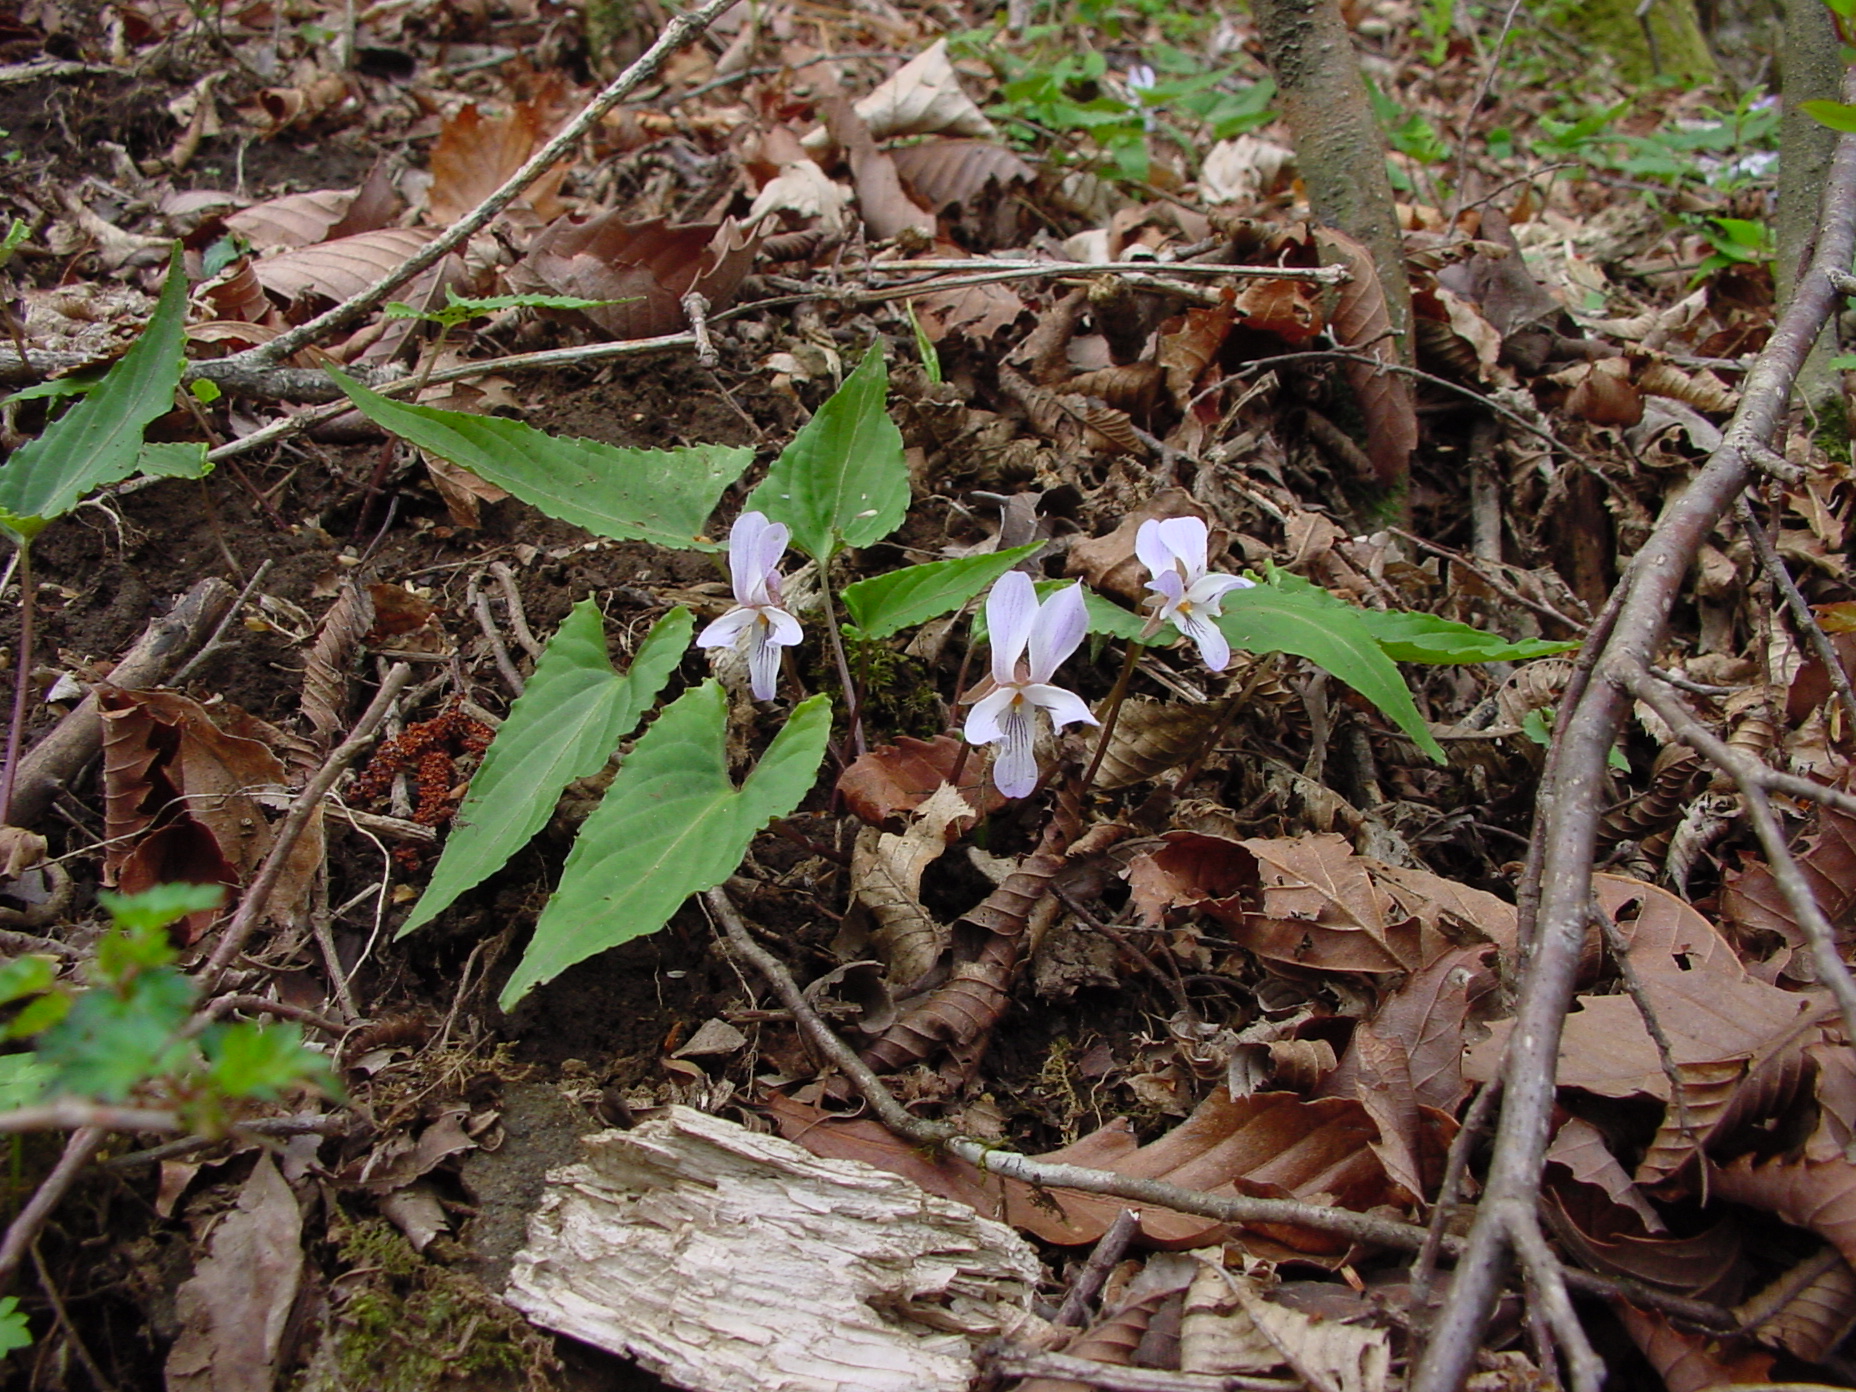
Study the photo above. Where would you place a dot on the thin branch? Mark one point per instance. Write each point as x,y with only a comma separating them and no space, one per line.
258,894
1802,618
679,31
1572,802
24,1230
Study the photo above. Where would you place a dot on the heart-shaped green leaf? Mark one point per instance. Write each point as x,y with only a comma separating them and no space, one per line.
564,726
672,824
843,480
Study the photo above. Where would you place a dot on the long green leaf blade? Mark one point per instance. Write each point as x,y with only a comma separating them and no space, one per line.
564,726
886,604
99,440
843,480
661,496
1414,637
672,824
1331,634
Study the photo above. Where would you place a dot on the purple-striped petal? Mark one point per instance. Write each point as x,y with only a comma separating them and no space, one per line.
1063,706
763,658
1213,647
983,720
1015,764
725,630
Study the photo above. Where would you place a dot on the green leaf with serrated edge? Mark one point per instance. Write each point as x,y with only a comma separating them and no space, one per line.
886,604
254,1060
1329,633
1839,116
159,905
661,496
98,441
843,479
14,1331
564,726
672,824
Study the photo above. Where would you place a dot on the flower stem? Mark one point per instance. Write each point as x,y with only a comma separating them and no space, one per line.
22,680
1112,712
853,702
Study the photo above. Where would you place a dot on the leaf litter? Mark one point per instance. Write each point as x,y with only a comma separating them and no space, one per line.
1308,926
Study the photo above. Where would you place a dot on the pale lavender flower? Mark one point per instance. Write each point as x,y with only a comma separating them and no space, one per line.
757,624
1015,620
1173,550
1141,81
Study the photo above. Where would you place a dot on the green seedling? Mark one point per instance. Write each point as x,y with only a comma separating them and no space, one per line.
96,442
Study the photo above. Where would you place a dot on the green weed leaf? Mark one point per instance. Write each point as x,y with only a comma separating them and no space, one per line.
1839,116
886,604
99,440
564,726
27,976
661,496
1410,637
13,1331
843,480
23,1080
672,824
113,1040
253,1060
1330,633
159,905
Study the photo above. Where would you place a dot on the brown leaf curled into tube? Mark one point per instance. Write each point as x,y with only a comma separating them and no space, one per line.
886,877
1362,322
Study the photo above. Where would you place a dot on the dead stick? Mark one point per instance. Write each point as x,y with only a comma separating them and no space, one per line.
679,31
78,1150
1570,824
56,759
257,895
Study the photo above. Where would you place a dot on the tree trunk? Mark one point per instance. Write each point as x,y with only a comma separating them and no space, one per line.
1338,143
1810,70
1666,42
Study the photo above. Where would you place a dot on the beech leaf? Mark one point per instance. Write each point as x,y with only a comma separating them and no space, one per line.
662,496
564,726
672,824
843,480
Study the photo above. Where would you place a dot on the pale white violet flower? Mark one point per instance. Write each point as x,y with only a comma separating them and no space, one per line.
757,624
1141,81
1016,621
1173,550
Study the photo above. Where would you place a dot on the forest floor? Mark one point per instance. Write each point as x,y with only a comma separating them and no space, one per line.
1280,943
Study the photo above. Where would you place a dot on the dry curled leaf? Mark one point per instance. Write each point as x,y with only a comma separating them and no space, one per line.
892,780
476,154
886,878
1362,322
945,172
649,266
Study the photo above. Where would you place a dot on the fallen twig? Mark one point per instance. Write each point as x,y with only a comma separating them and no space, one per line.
1571,803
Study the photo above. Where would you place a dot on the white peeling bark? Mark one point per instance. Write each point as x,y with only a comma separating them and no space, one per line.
728,1261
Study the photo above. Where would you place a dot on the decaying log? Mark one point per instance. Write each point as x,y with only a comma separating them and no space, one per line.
728,1261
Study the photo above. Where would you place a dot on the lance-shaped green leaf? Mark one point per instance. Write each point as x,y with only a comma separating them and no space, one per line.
886,604
1330,633
662,496
564,726
672,824
98,441
1413,637
843,480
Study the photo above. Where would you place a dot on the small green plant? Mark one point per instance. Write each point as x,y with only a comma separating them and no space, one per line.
96,442
674,821
1735,242
129,1030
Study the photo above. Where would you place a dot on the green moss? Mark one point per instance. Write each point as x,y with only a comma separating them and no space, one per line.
899,692
400,1323
1611,27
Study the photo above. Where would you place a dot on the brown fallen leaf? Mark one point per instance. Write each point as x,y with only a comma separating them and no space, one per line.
476,154
1688,1361
234,1310
1361,321
1108,563
945,172
887,211
647,267
1806,1311
1271,1145
880,788
886,878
